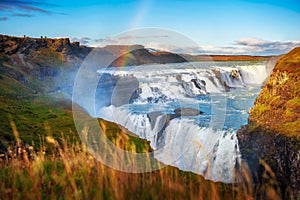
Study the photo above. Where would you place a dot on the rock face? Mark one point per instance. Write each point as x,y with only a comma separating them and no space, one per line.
25,46
35,62
270,143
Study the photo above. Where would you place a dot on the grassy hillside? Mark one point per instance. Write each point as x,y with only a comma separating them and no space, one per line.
39,116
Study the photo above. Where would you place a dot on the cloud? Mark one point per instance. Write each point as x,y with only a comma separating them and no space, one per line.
16,3
126,40
3,18
266,46
251,42
107,40
130,37
83,40
243,46
21,8
31,8
22,15
4,7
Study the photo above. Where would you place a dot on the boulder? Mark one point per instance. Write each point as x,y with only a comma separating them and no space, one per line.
187,112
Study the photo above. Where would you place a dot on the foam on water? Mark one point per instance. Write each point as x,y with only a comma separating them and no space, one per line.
187,142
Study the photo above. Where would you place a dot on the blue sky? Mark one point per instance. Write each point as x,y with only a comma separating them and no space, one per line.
218,26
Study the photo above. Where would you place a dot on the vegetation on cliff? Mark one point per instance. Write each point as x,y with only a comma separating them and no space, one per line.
270,143
278,105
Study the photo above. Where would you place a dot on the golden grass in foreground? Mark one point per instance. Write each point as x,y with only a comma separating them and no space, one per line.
70,172
74,174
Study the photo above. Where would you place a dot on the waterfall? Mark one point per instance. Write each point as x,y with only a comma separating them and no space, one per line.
181,84
253,75
181,141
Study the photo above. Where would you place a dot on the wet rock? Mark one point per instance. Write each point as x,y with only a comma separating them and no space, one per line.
234,74
187,112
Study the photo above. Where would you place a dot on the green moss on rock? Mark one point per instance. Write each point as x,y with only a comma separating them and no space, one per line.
278,106
271,140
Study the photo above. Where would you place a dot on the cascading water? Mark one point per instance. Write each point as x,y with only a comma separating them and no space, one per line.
163,103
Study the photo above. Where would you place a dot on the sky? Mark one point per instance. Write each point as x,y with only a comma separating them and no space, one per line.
252,27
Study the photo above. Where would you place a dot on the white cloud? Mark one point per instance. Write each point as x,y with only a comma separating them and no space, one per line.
251,42
246,46
257,45
242,46
126,40
83,40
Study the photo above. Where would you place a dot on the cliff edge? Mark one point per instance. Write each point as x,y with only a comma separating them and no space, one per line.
270,143
278,105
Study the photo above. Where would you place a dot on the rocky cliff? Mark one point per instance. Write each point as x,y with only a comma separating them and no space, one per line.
25,47
270,143
38,63
33,63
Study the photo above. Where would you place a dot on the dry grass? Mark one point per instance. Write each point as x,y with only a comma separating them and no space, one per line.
68,171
